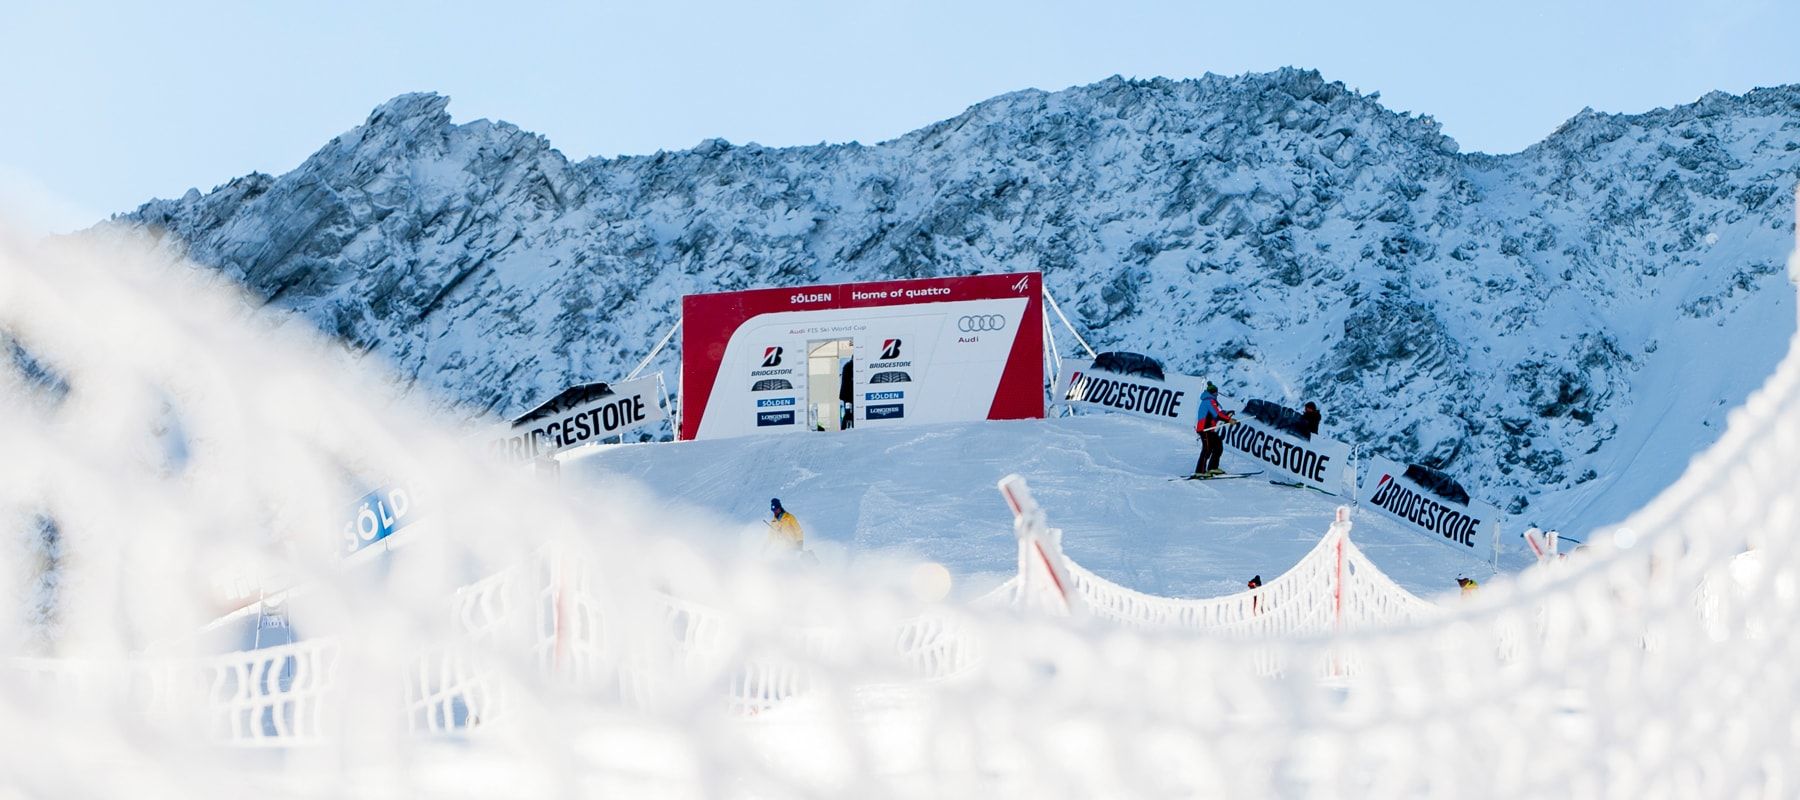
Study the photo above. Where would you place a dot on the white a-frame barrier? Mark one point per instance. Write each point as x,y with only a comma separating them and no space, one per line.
1052,356
662,385
1334,587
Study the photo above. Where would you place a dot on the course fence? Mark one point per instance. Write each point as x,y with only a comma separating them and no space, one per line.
551,610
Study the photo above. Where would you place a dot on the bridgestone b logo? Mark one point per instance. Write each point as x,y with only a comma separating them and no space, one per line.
1280,452
1425,512
1152,400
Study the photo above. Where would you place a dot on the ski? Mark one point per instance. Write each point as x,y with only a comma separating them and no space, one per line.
1299,485
1216,477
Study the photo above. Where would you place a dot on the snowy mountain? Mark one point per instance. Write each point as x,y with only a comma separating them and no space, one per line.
1562,327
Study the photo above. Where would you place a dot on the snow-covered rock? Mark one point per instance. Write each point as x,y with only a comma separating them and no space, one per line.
1561,328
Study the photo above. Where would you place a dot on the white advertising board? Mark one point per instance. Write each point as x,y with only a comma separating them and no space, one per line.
1473,527
1318,462
1175,398
550,430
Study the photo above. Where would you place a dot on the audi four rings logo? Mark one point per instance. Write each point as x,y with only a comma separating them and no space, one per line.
981,322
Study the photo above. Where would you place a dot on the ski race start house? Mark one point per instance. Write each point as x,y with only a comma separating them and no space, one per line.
828,358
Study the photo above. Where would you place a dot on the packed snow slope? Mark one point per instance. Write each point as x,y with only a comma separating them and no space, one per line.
928,493
1562,328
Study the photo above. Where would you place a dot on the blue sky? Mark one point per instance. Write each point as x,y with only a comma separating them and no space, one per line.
107,105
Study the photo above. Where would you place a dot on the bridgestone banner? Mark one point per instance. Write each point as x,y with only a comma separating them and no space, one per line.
630,405
1176,398
1317,462
1473,528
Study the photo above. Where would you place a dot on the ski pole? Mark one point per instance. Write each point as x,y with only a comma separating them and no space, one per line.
1222,423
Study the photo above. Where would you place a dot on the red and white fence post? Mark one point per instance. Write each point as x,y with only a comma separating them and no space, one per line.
1043,572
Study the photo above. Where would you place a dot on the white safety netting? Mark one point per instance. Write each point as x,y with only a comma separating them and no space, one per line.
1333,588
158,434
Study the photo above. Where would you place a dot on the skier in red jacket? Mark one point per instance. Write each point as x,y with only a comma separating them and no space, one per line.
1212,445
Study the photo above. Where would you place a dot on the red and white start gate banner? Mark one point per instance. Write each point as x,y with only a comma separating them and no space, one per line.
828,358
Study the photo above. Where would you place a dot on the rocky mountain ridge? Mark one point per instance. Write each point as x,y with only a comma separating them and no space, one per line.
1515,319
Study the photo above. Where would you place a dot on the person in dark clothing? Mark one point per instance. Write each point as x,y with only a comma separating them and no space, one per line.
1312,416
1212,445
847,396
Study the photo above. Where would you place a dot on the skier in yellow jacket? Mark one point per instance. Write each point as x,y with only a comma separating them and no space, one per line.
785,535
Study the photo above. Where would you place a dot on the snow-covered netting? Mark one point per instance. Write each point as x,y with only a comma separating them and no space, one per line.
549,608
159,434
1334,587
